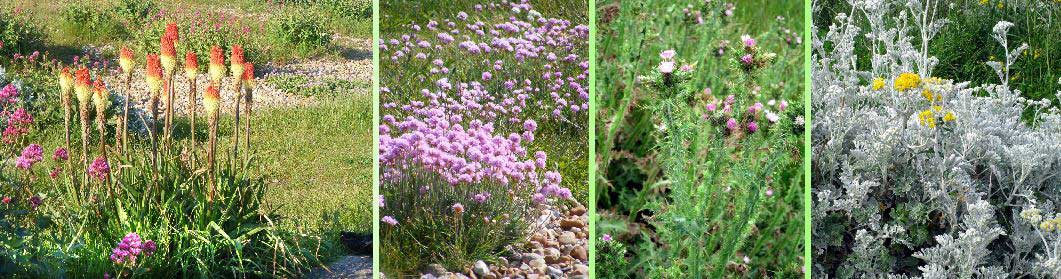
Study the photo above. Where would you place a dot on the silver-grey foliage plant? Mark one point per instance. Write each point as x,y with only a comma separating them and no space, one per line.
933,179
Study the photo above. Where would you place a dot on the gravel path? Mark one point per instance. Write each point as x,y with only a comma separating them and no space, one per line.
345,267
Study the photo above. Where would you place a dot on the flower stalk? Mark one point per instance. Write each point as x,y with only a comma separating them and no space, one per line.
248,99
154,83
237,81
83,92
66,86
127,63
211,100
191,70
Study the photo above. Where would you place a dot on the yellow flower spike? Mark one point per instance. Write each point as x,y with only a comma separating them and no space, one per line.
878,83
937,108
66,82
907,81
948,117
100,97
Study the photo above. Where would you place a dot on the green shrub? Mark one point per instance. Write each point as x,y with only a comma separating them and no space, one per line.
18,34
303,32
86,23
135,11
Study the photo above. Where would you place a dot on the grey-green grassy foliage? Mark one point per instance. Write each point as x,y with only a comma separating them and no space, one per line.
681,194
904,193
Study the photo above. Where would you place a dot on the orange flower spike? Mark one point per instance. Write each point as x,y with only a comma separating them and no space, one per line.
217,64
211,99
165,91
82,85
154,74
66,83
191,65
172,32
101,98
237,61
126,60
169,56
248,74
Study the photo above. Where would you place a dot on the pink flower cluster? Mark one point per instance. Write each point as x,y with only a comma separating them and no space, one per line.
554,47
18,124
432,140
30,156
9,94
474,104
99,168
132,247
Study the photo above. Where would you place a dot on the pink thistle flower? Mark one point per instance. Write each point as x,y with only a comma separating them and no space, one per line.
748,41
606,237
390,220
731,124
752,127
666,67
746,59
667,54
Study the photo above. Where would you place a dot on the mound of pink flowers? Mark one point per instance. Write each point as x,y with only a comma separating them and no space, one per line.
472,107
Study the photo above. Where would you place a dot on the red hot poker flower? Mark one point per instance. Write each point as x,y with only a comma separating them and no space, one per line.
191,65
172,33
237,54
248,71
217,64
154,74
217,56
126,60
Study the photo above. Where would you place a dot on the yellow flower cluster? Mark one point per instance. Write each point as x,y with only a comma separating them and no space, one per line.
907,81
1051,225
878,83
931,97
927,117
1033,215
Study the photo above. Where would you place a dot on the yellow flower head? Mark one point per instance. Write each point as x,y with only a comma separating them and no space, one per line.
907,81
927,118
927,94
878,83
948,117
